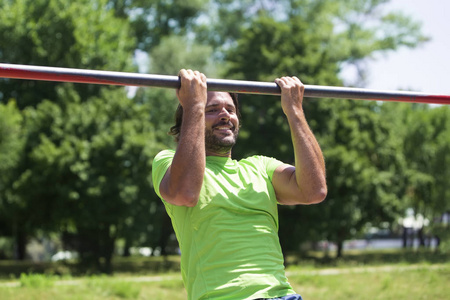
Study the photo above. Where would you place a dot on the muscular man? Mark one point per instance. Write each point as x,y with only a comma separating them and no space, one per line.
224,211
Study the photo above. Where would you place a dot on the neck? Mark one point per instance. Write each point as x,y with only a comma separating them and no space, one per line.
212,153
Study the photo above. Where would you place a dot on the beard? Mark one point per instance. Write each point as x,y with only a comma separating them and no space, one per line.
220,144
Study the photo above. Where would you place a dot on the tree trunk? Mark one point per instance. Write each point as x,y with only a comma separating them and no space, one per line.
126,249
106,250
95,247
421,237
340,247
405,238
21,245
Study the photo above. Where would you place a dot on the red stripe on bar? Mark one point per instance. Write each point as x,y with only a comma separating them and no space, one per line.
429,99
437,99
46,76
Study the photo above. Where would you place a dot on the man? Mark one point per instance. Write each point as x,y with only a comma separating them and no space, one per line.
224,211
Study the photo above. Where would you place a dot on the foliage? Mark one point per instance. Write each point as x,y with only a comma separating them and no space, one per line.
76,159
364,160
427,143
11,149
74,34
151,20
10,136
87,150
87,171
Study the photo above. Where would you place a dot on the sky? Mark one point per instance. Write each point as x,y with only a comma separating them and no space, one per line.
423,69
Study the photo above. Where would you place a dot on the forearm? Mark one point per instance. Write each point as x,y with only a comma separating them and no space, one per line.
309,162
305,183
186,173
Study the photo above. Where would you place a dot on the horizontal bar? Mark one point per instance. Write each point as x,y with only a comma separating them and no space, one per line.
236,86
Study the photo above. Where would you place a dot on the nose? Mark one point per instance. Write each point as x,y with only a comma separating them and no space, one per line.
224,114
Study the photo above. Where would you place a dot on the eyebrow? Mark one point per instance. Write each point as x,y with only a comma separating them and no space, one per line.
215,105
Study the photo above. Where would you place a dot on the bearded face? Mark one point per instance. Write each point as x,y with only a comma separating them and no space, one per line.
221,137
222,124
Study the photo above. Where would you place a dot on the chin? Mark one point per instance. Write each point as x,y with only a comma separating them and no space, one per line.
216,141
228,141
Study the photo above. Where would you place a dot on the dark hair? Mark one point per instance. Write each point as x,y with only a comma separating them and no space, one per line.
175,129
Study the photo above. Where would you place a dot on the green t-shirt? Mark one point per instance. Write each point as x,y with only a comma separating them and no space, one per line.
229,240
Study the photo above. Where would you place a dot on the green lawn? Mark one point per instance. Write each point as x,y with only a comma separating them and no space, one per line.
423,282
358,276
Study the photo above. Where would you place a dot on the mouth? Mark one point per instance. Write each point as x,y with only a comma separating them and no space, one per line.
224,128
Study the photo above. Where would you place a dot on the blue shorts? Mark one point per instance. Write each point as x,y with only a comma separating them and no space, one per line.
288,297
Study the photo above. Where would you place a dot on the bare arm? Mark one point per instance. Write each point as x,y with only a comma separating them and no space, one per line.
305,183
183,180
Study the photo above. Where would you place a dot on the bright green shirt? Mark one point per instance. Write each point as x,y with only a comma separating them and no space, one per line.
229,240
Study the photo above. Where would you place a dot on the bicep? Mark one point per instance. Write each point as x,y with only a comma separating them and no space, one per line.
164,186
285,185
173,194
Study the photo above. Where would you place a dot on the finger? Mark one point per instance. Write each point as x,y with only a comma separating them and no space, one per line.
203,77
200,76
296,79
198,73
186,74
281,81
290,79
181,76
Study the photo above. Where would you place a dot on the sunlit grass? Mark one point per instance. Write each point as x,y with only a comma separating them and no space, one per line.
421,283
416,282
399,275
37,286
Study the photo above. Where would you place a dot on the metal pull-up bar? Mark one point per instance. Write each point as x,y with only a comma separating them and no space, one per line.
237,86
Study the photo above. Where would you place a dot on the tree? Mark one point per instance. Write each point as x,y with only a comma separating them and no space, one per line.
11,141
58,33
313,41
87,148
152,20
426,145
87,172
11,149
51,168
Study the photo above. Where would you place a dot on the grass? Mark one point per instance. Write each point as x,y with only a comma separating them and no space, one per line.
40,287
421,283
131,265
378,275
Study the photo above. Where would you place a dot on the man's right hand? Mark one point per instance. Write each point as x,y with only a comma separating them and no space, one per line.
193,89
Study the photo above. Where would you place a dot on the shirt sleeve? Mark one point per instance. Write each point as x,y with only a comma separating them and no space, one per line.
160,165
271,165
267,164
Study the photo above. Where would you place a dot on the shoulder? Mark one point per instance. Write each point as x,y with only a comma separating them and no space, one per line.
163,159
260,160
164,154
160,165
262,163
